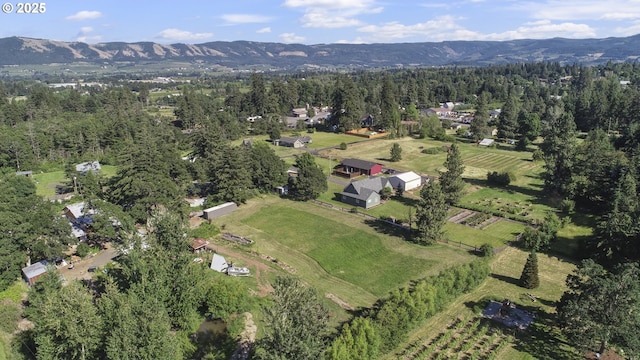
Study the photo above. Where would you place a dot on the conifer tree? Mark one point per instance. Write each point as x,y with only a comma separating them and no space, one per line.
431,214
529,278
451,180
396,152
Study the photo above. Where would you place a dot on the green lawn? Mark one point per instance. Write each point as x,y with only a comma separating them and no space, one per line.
496,234
46,182
341,250
337,252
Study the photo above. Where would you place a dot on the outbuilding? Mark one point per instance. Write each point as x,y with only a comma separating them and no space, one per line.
406,180
32,272
219,210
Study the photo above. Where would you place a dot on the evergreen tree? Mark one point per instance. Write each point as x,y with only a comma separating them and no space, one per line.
231,180
267,170
347,108
389,112
529,278
559,149
258,94
508,119
480,125
431,214
395,152
297,323
451,180
310,181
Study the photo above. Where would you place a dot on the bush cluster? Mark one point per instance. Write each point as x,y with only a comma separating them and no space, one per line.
500,178
406,308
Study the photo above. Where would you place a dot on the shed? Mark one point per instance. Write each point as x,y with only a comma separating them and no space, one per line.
486,142
219,210
219,263
32,272
407,180
198,245
93,166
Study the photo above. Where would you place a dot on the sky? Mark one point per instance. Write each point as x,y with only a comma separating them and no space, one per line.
320,21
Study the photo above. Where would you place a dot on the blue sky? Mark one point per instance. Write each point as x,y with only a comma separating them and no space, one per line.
323,21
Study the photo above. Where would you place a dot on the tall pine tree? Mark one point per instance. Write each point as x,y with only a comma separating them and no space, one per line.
431,214
451,180
529,278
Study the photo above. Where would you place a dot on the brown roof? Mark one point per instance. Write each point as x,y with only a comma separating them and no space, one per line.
199,243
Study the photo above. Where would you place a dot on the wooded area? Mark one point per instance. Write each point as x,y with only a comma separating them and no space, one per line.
583,122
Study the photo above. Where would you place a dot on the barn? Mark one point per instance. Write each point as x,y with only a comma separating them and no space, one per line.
407,180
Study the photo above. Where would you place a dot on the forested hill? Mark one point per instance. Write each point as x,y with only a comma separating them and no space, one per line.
238,54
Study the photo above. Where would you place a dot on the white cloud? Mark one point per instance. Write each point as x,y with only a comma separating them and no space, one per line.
182,35
446,28
233,19
86,29
633,29
289,38
333,13
264,30
89,39
84,15
329,4
582,9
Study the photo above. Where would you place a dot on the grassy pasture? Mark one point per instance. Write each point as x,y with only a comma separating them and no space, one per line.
46,182
542,339
337,252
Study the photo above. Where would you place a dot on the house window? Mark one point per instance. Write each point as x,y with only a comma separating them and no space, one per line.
357,202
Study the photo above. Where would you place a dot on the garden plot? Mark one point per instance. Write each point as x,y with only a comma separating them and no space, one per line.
472,338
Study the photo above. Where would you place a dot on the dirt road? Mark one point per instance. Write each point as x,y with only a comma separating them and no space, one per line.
80,269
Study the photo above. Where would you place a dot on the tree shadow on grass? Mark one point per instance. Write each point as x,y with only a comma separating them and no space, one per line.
388,229
406,201
507,279
543,339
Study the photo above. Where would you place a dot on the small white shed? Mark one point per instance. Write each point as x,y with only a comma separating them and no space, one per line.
219,263
407,180
219,210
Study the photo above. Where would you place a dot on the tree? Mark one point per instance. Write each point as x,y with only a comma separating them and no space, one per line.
386,193
431,214
347,107
267,170
508,119
357,341
67,324
618,232
297,323
273,129
451,180
529,278
602,306
258,94
310,181
231,179
389,112
396,152
399,190
479,126
559,148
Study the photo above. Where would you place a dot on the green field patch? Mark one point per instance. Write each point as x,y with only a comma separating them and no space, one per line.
507,202
46,182
497,234
345,252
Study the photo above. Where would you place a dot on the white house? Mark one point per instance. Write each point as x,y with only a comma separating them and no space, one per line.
407,180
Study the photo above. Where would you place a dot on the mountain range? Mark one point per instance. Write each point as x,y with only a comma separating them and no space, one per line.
242,54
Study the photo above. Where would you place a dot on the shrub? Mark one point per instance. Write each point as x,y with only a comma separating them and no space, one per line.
486,250
567,206
537,155
343,146
83,249
499,179
433,150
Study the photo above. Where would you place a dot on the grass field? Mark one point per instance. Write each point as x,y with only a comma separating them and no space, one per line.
46,182
337,252
542,340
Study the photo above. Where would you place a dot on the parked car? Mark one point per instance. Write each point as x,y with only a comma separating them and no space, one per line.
92,268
